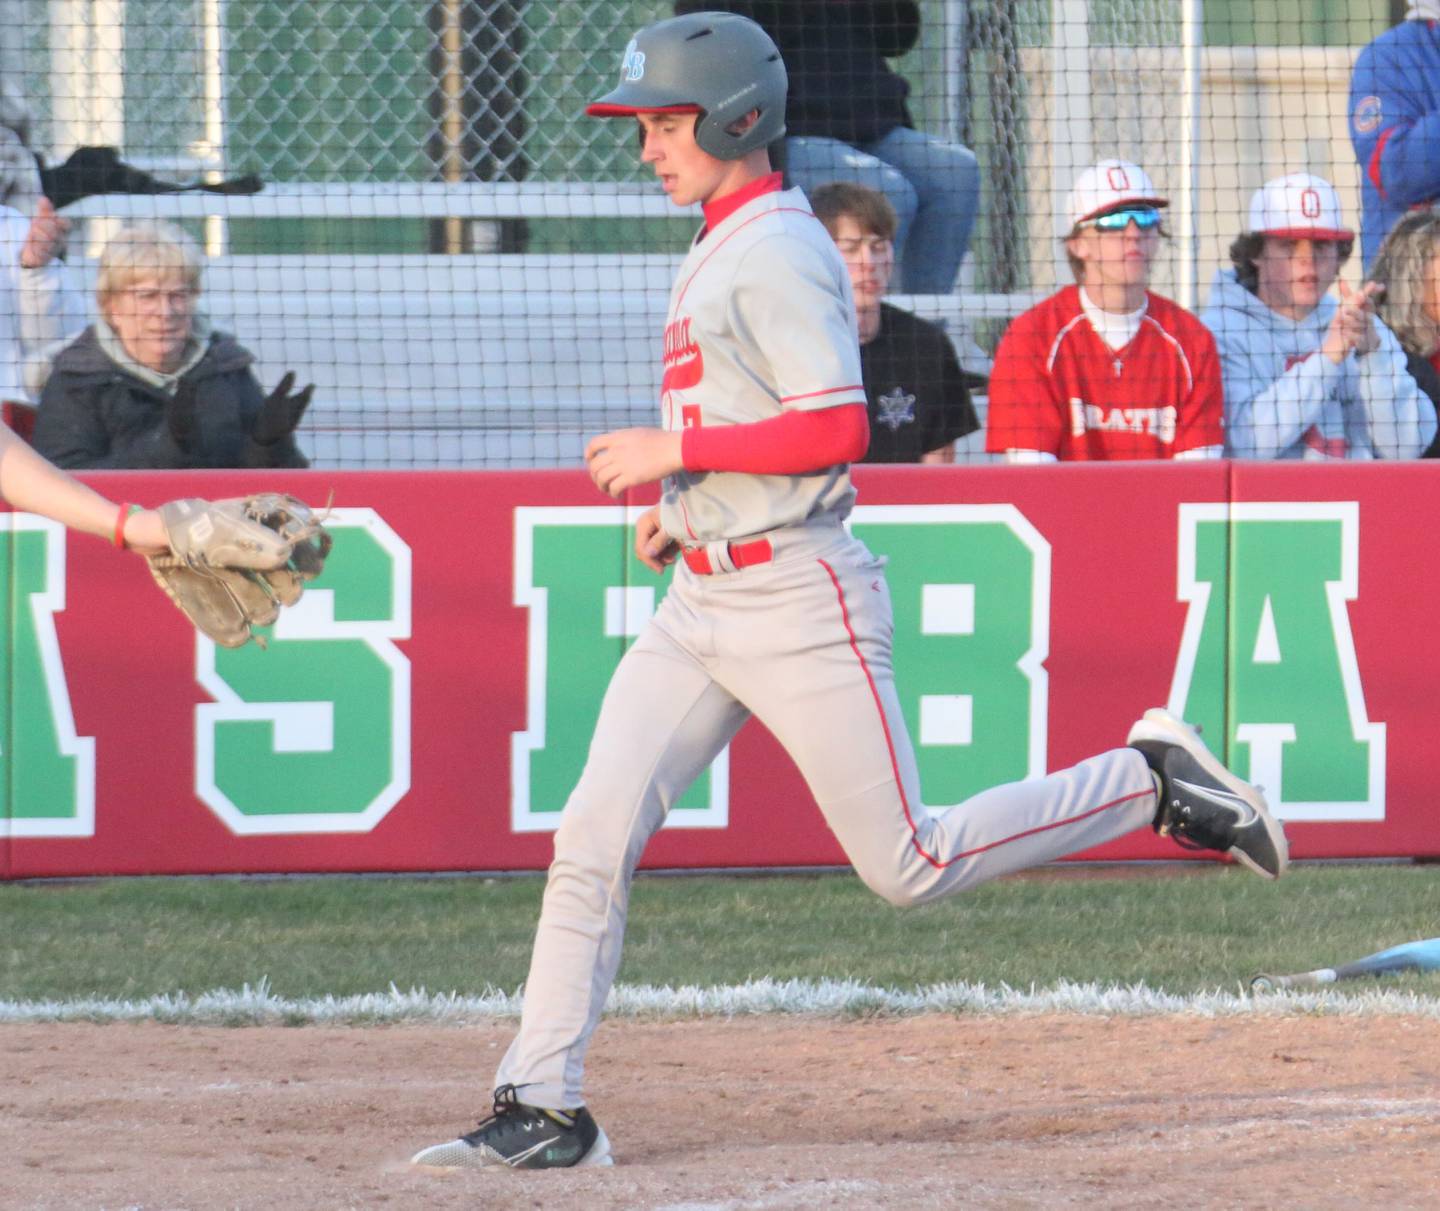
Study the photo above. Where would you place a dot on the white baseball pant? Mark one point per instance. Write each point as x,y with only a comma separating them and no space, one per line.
803,643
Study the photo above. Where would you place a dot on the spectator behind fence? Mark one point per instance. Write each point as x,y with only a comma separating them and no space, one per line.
1407,268
20,187
1395,122
40,303
914,388
1307,376
1105,369
148,385
40,306
847,118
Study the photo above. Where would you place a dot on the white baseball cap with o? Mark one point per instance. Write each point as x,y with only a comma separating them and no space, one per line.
1300,206
1109,185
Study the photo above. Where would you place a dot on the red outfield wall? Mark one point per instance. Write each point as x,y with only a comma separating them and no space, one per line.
426,705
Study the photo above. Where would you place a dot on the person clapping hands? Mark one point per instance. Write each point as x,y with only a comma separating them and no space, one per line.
149,385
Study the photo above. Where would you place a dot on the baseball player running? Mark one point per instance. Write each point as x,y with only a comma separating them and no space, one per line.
775,610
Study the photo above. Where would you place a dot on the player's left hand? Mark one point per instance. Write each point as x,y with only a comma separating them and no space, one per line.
628,458
653,547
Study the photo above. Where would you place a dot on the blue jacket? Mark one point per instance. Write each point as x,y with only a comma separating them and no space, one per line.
1286,399
1395,126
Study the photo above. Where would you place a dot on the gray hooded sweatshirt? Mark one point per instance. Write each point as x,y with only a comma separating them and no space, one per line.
1286,399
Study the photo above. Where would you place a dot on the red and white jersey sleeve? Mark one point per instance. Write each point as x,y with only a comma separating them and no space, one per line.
1026,411
1058,388
760,322
1201,420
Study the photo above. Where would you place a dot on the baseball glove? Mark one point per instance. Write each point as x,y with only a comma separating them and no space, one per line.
234,563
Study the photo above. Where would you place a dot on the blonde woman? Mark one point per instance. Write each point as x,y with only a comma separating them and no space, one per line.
1408,267
149,385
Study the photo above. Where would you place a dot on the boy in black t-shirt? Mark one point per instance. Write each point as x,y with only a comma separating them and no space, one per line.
916,392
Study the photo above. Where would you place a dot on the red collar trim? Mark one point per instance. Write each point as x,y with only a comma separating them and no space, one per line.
720,209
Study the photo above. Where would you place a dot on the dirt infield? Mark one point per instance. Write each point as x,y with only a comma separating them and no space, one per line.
769,1113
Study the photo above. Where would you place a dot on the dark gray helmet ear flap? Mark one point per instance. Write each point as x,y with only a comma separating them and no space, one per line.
722,64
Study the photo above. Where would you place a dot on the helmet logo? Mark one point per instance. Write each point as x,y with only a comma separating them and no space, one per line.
633,66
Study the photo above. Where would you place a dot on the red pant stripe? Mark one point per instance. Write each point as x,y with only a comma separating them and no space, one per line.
899,782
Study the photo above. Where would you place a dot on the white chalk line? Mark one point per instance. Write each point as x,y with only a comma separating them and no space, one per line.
258,1004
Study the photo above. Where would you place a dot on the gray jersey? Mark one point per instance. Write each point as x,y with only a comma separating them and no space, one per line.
761,321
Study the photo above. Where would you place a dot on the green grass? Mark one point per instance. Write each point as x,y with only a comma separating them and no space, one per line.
1199,930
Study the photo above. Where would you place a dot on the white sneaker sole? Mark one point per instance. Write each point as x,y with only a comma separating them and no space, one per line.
459,1155
1159,724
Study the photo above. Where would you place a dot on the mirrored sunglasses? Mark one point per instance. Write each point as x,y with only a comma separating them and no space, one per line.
1146,218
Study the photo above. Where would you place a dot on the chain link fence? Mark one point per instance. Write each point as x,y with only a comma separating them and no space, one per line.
501,329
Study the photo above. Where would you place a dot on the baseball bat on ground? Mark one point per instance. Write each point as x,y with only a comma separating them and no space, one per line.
1411,956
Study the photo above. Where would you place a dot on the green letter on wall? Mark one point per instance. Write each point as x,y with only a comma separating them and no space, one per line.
48,771
970,587
1267,662
313,734
588,597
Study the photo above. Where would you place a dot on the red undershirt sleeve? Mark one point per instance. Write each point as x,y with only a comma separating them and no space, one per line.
792,443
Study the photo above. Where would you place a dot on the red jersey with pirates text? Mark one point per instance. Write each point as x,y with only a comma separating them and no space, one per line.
1057,387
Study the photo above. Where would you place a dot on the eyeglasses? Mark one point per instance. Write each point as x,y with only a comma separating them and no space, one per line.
149,299
1146,218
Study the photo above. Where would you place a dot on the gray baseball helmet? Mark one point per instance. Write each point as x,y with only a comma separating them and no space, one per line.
717,64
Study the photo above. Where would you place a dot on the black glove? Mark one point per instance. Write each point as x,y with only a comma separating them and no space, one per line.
280,412
180,415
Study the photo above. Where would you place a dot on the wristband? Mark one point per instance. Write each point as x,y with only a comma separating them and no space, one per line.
127,511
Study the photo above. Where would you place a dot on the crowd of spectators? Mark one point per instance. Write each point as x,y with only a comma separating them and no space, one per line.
1275,366
144,382
1286,359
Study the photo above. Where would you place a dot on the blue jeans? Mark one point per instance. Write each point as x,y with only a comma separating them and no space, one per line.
933,185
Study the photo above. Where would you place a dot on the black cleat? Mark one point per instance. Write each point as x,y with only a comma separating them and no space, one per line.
523,1137
1203,805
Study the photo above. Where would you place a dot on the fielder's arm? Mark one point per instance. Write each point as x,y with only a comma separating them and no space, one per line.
33,485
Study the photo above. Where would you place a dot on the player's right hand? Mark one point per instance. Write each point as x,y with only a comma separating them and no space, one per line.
653,547
629,458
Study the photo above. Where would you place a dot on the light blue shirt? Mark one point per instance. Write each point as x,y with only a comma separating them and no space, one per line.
1286,399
